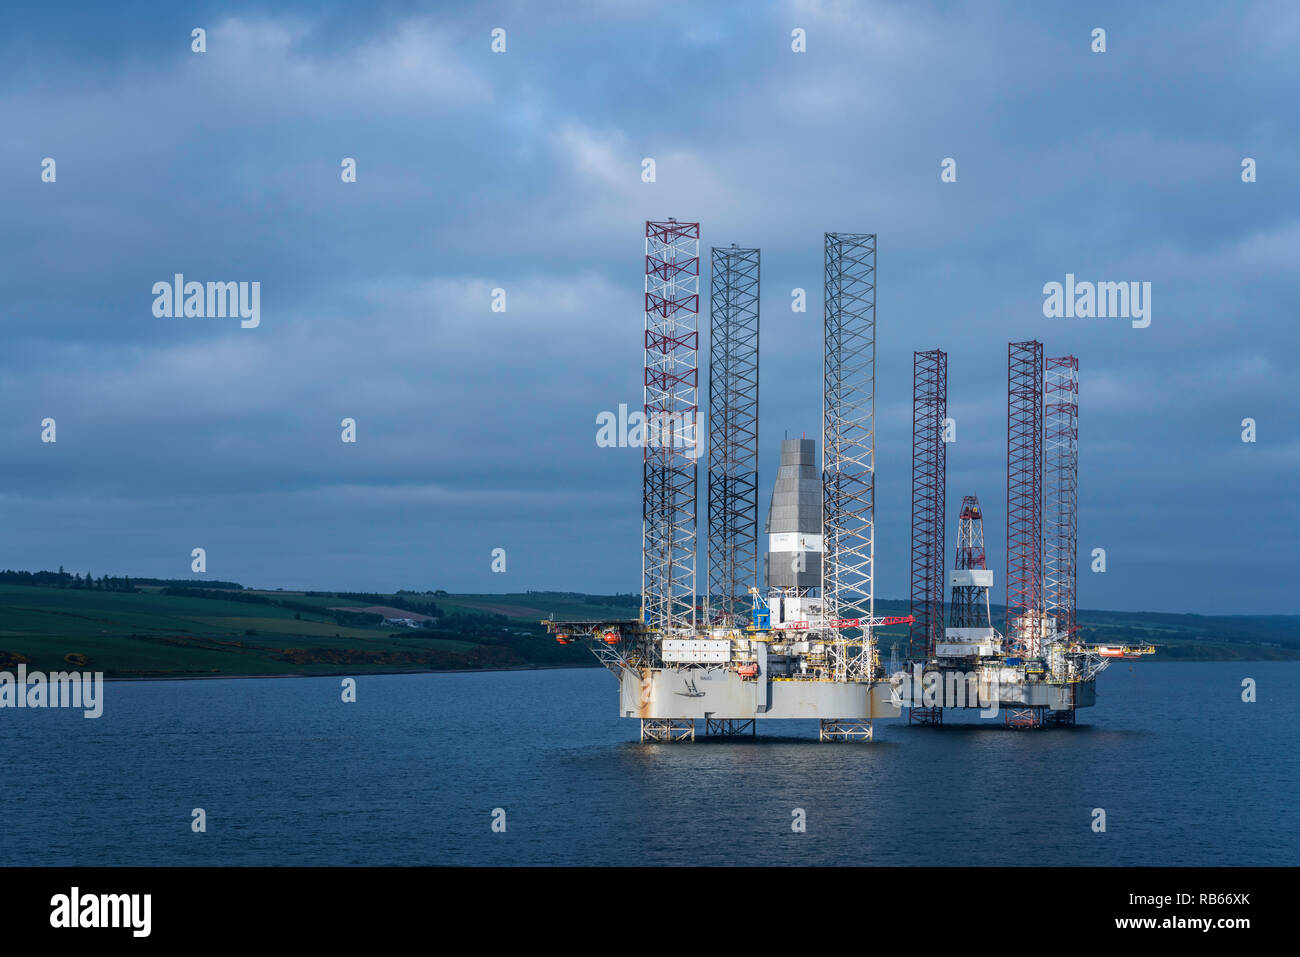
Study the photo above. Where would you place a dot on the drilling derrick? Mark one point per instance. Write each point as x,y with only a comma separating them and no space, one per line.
1026,625
1062,493
733,433
794,530
929,409
671,450
848,451
970,601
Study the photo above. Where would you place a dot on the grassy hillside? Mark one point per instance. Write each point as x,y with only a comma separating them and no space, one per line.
180,630
150,633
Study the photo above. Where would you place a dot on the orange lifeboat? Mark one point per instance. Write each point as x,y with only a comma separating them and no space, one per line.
562,639
748,671
611,637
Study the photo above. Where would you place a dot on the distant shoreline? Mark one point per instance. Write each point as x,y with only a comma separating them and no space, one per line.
353,674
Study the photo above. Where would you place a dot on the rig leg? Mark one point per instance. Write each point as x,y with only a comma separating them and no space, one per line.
925,716
729,727
667,729
835,729
1024,718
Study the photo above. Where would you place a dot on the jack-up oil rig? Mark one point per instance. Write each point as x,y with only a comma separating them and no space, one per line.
807,650
1038,672
807,647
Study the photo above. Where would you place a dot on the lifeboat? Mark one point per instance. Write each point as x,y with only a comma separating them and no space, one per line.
748,671
562,639
610,638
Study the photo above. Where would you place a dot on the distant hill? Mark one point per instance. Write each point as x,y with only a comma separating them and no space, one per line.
130,627
188,631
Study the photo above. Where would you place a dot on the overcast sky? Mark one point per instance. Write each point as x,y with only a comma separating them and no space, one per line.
522,170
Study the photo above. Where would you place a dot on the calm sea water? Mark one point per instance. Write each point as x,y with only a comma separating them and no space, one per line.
410,774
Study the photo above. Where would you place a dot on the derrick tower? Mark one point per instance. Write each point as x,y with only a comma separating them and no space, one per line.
970,601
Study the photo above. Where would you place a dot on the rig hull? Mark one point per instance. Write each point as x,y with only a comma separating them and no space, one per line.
722,694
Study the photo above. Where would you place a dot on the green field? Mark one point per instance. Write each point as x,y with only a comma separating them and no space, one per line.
149,633
152,634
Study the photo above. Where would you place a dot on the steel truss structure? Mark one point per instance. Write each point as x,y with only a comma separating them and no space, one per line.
667,729
929,473
1061,532
729,727
1024,627
631,655
1038,717
671,449
849,449
733,433
970,607
833,729
1023,717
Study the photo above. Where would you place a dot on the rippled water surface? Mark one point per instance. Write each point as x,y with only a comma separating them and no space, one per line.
410,774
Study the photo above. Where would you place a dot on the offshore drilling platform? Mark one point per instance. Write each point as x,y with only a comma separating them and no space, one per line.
806,648
1038,672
